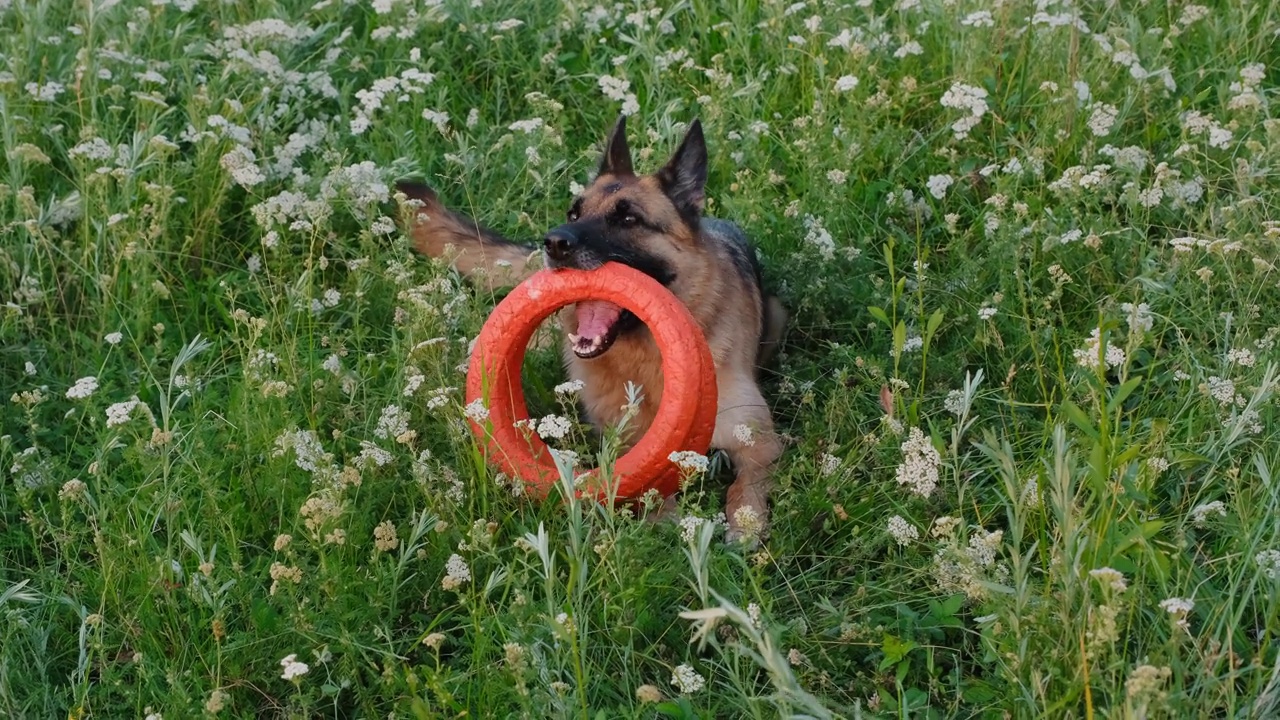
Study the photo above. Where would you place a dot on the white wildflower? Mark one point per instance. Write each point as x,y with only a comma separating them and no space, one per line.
1200,514
241,163
1110,577
614,88
1087,356
527,126
1222,390
938,185
554,427
902,530
1241,356
393,422
687,680
456,572
920,462
909,48
980,18
332,364
119,413
1139,316
817,236
476,411
569,388
1268,562
1102,119
972,100
1178,609
83,388
828,464
845,83
689,461
293,668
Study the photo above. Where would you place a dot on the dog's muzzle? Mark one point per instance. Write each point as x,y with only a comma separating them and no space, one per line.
560,243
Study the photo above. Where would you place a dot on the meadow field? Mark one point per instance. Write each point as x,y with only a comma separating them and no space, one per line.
1028,394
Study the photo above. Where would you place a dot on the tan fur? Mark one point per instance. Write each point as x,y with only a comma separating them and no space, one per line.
726,304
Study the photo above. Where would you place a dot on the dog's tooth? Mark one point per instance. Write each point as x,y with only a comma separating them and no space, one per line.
574,339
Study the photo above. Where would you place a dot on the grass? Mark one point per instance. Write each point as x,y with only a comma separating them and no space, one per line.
196,215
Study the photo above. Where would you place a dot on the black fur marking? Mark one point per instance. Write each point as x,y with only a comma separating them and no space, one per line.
618,215
616,158
684,177
740,250
595,249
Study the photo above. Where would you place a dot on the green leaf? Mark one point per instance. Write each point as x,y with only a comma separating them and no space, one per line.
979,693
952,605
1079,419
895,649
932,326
1123,392
879,314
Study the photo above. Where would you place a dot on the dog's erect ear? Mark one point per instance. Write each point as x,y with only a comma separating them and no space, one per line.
617,155
684,177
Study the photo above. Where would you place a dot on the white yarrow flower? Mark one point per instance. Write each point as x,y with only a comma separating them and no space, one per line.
293,668
920,462
456,572
938,185
689,460
83,388
1268,564
902,530
687,680
476,411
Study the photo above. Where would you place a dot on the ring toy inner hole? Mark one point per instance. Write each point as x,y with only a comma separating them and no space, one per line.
685,419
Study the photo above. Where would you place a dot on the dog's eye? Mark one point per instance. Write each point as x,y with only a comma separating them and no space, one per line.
629,220
572,216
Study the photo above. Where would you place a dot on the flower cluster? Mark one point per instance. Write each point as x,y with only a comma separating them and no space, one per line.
970,99
920,463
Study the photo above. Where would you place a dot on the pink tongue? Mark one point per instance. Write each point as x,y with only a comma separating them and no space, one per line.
596,317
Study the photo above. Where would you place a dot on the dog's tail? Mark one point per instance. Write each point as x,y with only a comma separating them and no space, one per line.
485,257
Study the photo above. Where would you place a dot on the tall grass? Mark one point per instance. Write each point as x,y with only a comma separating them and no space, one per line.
1028,392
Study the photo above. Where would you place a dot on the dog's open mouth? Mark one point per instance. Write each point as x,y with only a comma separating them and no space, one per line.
598,326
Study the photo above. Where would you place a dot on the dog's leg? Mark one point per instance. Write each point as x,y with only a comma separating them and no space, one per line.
752,451
775,325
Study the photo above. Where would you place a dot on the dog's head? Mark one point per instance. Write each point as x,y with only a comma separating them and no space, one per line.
649,222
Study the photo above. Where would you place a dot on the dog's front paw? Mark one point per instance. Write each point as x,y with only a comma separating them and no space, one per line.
747,526
736,537
666,509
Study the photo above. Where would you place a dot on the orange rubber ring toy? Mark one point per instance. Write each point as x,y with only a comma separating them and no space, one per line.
686,414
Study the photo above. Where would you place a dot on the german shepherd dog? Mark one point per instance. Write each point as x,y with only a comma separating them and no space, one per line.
653,223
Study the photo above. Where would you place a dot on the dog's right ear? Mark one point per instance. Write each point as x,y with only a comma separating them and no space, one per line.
617,154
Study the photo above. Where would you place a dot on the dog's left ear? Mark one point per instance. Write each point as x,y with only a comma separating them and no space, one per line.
616,159
684,177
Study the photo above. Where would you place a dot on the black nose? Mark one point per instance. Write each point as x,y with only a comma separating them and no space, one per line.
560,242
